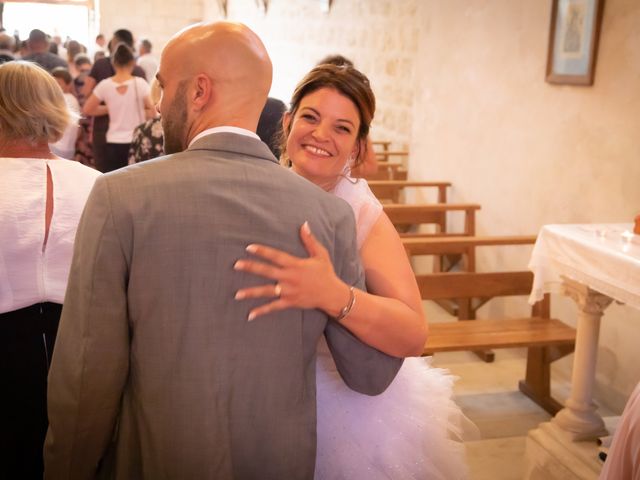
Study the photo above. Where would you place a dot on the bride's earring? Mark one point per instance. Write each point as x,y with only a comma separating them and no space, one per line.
346,170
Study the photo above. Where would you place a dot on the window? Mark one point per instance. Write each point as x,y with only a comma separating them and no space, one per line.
68,19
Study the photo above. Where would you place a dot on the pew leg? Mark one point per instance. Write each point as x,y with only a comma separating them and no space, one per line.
537,382
467,313
486,356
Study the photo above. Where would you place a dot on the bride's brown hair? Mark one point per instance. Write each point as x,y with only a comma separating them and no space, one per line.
347,81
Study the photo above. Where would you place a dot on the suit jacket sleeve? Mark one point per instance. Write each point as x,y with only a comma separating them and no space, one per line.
363,368
91,358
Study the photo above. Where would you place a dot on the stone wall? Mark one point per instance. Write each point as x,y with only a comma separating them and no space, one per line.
380,37
529,152
156,20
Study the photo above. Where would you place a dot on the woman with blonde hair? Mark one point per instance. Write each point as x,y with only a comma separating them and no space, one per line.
41,199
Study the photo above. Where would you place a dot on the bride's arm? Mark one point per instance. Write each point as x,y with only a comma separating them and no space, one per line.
390,318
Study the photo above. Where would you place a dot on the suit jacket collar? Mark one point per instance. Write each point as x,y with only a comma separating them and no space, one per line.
233,143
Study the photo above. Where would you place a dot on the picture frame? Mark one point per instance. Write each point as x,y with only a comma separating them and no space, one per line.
573,41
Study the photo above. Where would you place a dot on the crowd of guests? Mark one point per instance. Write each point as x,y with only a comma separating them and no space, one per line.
102,76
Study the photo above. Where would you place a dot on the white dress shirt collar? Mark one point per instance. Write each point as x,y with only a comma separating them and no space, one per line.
224,129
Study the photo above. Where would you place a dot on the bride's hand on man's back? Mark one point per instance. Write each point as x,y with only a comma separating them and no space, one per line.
300,282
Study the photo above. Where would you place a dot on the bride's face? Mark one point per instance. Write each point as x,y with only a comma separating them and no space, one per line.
323,137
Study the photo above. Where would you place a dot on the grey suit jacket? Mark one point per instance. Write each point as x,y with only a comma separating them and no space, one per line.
156,372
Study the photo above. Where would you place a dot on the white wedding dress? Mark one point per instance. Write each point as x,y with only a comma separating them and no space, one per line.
413,431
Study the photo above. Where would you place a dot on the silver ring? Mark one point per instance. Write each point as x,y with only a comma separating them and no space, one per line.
277,290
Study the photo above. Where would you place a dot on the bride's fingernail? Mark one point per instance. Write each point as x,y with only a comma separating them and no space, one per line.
238,265
251,248
239,295
251,316
305,227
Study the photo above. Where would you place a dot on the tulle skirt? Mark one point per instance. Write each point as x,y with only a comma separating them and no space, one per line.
413,430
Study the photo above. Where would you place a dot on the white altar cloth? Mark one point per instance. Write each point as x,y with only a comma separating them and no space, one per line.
604,257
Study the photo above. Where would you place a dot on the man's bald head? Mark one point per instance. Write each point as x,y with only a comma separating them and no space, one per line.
223,69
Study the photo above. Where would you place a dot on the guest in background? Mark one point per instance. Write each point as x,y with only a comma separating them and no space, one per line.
66,146
39,51
100,45
41,199
146,60
7,44
337,60
53,47
84,151
269,124
127,103
82,67
147,142
23,49
61,49
102,69
74,48
623,458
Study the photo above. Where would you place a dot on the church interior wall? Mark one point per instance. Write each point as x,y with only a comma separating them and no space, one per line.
529,152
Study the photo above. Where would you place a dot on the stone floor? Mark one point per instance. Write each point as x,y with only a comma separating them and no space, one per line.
488,394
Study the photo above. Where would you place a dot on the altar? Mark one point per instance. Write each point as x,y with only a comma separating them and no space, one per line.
594,265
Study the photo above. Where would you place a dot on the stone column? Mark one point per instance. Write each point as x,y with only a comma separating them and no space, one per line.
579,417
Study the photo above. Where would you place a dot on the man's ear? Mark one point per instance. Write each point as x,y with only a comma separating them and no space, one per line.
202,92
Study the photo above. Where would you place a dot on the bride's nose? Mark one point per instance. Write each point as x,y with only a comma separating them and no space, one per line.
322,131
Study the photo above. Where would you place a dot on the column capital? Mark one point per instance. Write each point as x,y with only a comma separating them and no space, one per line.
589,301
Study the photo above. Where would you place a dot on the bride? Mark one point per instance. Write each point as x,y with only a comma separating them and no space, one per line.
412,430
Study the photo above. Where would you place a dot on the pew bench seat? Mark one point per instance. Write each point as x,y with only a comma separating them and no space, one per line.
498,333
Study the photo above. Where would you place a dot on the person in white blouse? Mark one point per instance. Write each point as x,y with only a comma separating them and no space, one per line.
41,199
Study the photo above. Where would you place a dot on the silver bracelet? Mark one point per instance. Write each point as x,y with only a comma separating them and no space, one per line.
347,309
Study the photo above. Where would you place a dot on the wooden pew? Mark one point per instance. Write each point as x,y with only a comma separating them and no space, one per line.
460,251
388,174
385,154
395,166
460,245
390,190
388,171
384,144
547,339
404,216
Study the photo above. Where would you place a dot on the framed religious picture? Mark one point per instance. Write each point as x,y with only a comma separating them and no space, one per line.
573,41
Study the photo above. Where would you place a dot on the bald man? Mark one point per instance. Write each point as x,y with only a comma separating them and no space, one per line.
157,372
